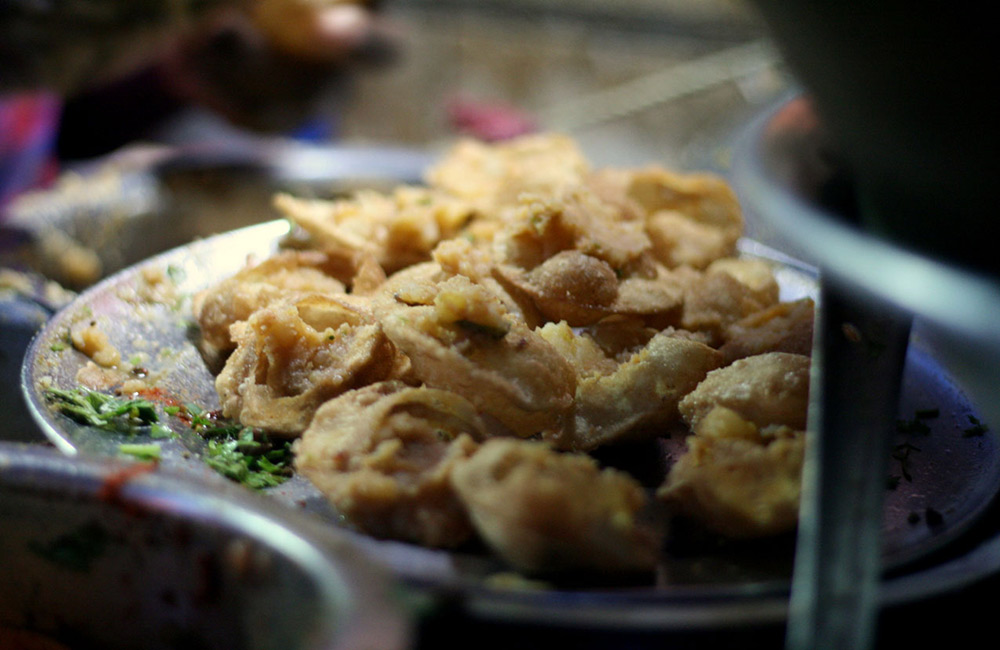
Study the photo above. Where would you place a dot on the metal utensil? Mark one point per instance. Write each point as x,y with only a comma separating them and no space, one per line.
783,172
101,553
857,370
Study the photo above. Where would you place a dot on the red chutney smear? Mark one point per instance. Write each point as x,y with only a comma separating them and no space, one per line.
113,483
158,395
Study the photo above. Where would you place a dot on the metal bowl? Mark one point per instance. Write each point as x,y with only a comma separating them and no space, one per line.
798,197
104,554
116,211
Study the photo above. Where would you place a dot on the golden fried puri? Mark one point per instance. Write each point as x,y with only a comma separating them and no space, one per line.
636,396
765,389
466,342
451,353
785,327
544,511
397,229
383,456
293,356
284,275
738,479
493,176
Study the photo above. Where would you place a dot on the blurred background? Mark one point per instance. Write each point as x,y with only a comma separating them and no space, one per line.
633,80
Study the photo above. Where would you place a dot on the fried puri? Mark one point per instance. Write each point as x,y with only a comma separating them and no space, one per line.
544,511
383,456
293,356
738,479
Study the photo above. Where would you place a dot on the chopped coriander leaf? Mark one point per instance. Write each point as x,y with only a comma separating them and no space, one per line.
157,430
902,453
176,273
103,411
199,417
147,452
248,463
977,428
242,455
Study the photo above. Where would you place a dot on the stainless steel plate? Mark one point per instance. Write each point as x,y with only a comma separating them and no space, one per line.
946,479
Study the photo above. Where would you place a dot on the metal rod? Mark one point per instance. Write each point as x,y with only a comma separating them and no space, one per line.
858,360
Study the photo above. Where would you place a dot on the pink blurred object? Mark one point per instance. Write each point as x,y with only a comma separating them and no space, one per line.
28,124
488,121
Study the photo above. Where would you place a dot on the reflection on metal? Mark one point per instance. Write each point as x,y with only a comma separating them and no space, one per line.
664,86
166,559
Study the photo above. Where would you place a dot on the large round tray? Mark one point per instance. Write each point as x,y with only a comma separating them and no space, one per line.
953,474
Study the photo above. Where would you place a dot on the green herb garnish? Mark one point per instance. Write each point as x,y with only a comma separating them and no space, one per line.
107,412
239,453
977,428
902,453
249,458
146,452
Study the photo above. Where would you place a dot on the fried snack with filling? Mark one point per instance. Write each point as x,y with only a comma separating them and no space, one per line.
494,176
692,219
633,396
785,327
461,257
293,356
383,456
398,229
738,479
765,389
468,342
729,290
544,511
420,284
578,261
284,275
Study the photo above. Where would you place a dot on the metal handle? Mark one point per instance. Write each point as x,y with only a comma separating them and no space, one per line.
857,368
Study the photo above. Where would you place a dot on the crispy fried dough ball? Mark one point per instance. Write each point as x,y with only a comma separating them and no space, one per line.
284,275
544,511
397,229
727,292
691,219
736,478
466,341
293,356
765,389
577,261
785,327
383,456
493,176
637,395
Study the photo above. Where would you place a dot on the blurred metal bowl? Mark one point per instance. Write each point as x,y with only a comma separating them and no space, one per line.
799,198
143,200
96,554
